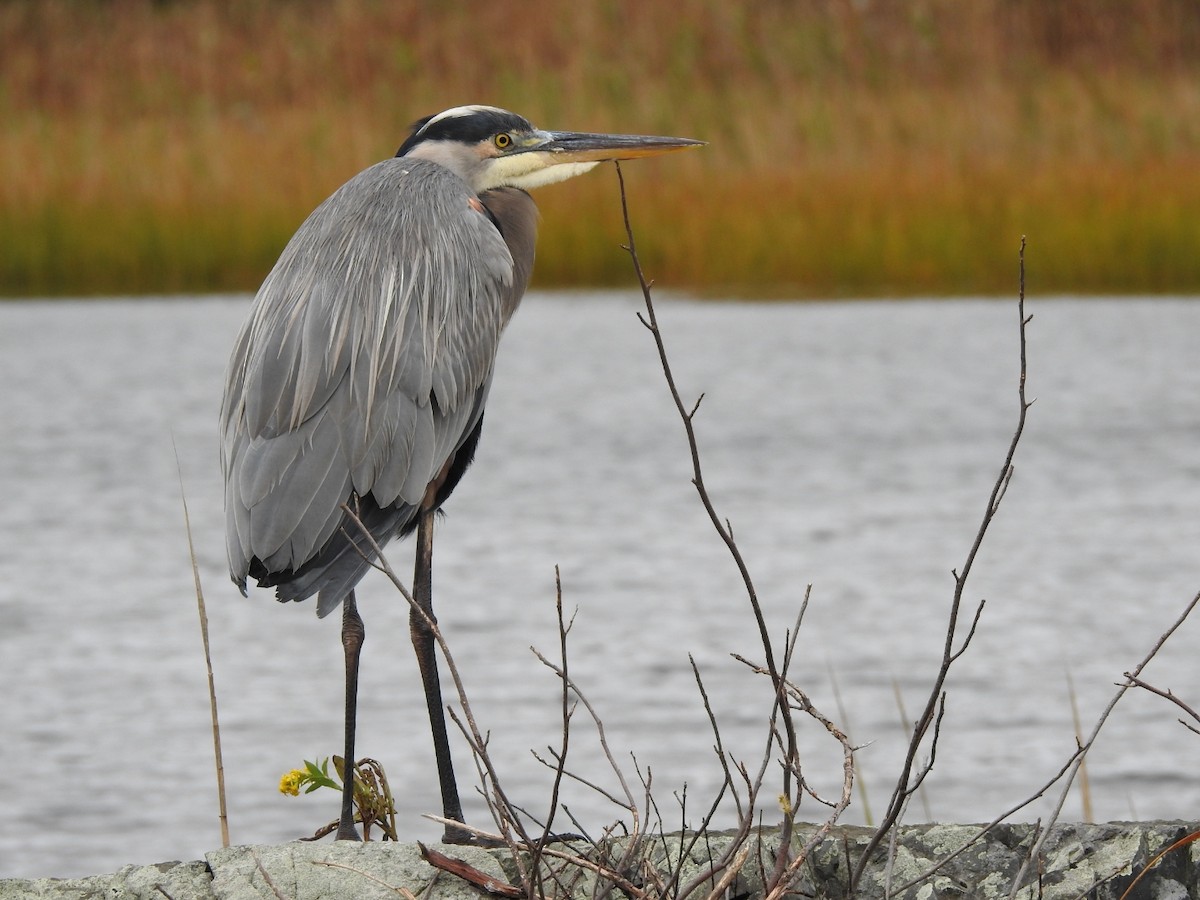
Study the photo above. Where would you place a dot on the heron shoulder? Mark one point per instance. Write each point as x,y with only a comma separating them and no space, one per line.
364,360
410,201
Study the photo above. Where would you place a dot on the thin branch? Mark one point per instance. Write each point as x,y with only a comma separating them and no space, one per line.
473,829
780,707
651,322
475,737
1082,752
933,745
561,756
719,747
266,876
904,788
608,872
782,879
403,892
731,872
1008,813
745,815
629,803
970,631
1166,695
579,779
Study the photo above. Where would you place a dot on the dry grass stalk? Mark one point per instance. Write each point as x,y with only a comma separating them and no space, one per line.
222,811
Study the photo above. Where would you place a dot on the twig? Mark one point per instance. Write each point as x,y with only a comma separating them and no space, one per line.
985,829
579,779
781,881
1167,695
265,874
905,784
905,725
222,811
731,872
471,731
724,531
686,416
478,832
718,747
844,715
608,872
629,803
403,892
1082,752
745,816
561,757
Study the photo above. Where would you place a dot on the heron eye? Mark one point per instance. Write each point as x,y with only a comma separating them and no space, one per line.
502,141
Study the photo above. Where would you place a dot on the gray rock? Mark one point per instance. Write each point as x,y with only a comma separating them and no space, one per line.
179,881
1097,862
306,871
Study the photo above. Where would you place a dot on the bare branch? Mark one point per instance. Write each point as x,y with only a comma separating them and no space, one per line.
629,803
936,700
567,709
1167,695
970,631
780,708
1008,813
476,739
1131,680
651,322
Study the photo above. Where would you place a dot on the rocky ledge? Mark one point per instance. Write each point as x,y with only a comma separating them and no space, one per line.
1098,862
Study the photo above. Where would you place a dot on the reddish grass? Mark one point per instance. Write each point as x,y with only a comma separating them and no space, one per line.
854,148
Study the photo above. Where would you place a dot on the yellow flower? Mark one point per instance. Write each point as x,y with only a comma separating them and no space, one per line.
290,783
785,803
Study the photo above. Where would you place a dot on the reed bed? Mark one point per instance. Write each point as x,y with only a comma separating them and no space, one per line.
855,149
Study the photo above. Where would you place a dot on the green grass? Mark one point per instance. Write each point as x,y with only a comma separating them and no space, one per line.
853,150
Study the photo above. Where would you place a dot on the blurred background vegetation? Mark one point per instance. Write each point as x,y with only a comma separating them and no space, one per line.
857,147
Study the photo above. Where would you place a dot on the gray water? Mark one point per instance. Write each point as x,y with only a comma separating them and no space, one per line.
852,446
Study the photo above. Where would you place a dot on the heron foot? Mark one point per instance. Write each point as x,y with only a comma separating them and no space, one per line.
462,837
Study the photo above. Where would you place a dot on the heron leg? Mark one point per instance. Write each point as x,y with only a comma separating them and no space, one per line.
423,644
353,634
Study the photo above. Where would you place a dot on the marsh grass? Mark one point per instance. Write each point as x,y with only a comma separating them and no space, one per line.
853,149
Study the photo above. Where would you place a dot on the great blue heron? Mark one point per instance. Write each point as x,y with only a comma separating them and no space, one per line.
360,376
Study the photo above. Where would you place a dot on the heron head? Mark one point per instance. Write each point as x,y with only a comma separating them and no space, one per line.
489,148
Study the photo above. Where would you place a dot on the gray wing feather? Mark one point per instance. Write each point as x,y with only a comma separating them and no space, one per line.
364,362
311,475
